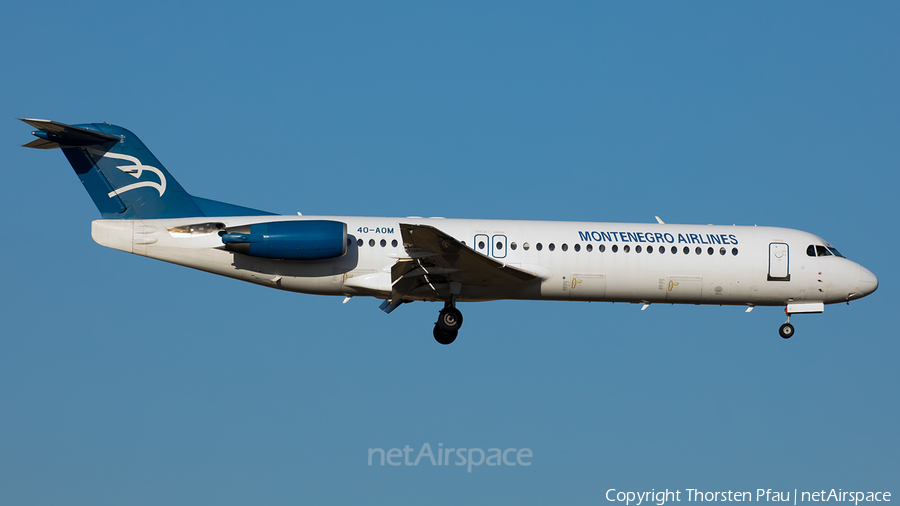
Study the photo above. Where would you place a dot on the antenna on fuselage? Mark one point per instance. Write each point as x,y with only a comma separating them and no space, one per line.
661,222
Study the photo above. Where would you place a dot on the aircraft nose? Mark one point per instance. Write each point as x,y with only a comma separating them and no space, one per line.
868,283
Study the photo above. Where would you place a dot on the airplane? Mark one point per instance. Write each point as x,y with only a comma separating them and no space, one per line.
144,211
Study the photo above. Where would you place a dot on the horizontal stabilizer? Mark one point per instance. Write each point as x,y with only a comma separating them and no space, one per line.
52,134
41,144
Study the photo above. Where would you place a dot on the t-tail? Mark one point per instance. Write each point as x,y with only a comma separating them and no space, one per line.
122,176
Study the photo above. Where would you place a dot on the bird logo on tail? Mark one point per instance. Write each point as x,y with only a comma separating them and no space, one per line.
136,170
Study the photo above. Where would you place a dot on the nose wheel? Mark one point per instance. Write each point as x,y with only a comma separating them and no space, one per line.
786,331
447,327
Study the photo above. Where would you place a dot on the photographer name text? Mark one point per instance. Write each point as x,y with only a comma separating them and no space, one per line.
661,497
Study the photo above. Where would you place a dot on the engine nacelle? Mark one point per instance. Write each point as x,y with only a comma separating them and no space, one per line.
289,240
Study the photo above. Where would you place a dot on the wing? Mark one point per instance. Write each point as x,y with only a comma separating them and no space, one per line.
440,265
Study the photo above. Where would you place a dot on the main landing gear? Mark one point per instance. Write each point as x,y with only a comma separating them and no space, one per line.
448,324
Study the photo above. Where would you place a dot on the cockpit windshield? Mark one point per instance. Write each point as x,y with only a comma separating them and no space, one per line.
817,250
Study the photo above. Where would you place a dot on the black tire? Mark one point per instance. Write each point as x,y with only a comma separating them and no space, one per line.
444,337
450,320
786,331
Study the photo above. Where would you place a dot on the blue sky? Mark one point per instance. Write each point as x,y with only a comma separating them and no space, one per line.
129,381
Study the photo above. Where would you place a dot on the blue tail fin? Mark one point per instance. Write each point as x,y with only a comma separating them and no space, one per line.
122,176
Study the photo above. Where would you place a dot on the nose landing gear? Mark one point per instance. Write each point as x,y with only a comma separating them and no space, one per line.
449,321
786,330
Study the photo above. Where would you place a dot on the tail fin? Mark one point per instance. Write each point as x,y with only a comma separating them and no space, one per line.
121,175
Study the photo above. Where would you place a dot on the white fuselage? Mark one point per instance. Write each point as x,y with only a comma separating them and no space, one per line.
619,262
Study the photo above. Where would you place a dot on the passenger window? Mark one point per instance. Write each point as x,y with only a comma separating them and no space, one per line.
383,243
662,249
734,251
687,250
674,250
539,246
637,249
626,249
371,243
552,246
499,245
359,242
394,243
565,247
513,246
649,249
480,244
722,250
589,248
526,246
602,248
577,247
710,251
698,250
615,248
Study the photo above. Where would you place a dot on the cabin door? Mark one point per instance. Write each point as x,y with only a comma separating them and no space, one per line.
779,262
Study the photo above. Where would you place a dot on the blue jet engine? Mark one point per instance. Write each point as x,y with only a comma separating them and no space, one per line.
289,240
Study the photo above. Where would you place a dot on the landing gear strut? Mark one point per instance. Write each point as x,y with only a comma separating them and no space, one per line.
449,321
786,330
